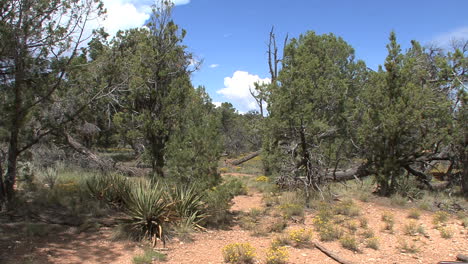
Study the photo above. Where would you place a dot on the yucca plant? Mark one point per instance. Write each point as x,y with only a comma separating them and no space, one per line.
112,188
147,209
186,202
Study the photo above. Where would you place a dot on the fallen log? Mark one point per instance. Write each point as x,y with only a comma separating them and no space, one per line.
246,158
331,254
462,257
349,174
103,163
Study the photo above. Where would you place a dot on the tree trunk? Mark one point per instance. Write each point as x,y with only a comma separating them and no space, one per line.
2,185
12,161
331,254
464,160
157,154
246,158
349,174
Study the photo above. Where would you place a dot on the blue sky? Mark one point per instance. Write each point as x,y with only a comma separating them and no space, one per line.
230,36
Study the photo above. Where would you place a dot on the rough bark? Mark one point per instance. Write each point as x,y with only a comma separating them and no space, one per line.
424,178
331,254
462,257
246,158
349,174
102,163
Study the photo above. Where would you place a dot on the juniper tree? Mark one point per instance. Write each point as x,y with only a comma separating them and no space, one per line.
39,40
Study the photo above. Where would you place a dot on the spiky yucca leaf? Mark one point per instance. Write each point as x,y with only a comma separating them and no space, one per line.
186,202
112,188
146,207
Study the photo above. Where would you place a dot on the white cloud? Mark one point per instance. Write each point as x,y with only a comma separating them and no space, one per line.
445,40
214,66
122,14
180,2
217,104
126,14
237,89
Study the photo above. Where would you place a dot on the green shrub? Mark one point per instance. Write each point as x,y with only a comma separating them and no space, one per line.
349,242
146,209
149,256
300,237
389,221
289,210
398,200
277,225
367,233
347,207
464,222
440,217
412,229
186,202
277,255
414,213
111,188
373,242
330,232
217,201
446,232
363,222
239,253
406,247
352,226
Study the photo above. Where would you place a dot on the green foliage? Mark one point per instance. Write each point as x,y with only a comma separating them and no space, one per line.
373,242
401,115
440,217
146,207
186,202
307,106
349,242
194,149
408,247
152,68
347,207
111,188
446,232
149,256
389,220
412,229
239,253
414,213
218,201
277,255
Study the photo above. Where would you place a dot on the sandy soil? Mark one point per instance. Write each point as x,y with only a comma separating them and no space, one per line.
97,247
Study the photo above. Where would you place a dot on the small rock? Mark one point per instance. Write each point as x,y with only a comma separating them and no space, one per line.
304,254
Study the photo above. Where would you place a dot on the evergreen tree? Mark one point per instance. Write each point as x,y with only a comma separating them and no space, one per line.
39,40
307,106
153,78
403,116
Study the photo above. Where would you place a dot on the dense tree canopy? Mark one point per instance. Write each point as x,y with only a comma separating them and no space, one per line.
324,112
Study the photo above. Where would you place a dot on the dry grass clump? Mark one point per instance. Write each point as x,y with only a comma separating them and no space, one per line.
300,237
408,247
373,242
440,217
347,207
446,232
389,221
239,253
350,242
277,255
414,213
413,229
